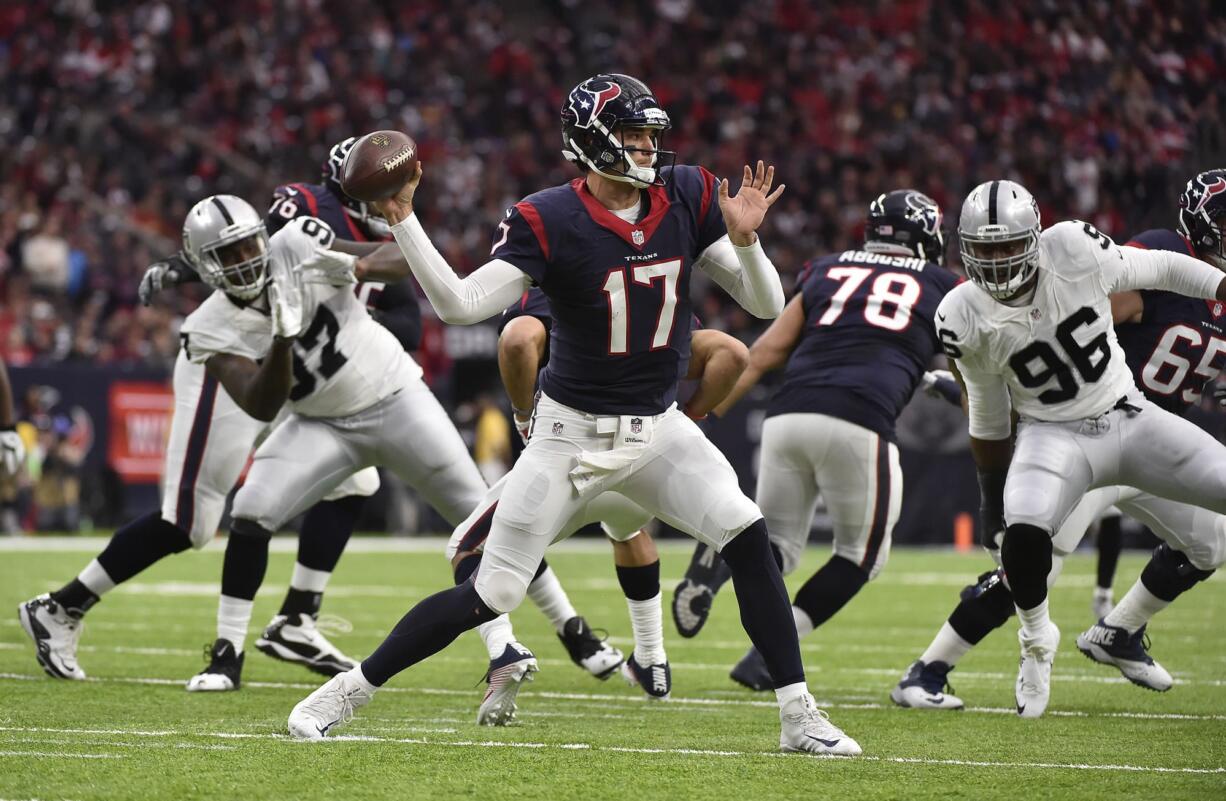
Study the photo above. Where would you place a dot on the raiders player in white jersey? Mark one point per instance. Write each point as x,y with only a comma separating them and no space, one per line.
357,400
1031,332
211,432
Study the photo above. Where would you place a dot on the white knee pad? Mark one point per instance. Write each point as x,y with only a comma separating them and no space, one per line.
501,590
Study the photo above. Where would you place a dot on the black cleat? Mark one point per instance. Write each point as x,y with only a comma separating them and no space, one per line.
752,672
588,651
694,595
224,672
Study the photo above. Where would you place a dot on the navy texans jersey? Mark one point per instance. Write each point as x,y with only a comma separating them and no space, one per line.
1179,344
618,292
869,336
396,307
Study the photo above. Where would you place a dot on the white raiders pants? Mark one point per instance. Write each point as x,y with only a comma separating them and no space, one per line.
210,440
306,458
620,518
856,471
678,477
1178,470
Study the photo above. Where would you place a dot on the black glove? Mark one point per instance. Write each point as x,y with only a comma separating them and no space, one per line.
992,507
164,274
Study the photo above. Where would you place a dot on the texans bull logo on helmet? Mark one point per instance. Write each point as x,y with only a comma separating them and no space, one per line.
924,211
588,99
1202,192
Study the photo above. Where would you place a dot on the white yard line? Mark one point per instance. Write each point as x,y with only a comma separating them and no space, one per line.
60,755
675,703
611,749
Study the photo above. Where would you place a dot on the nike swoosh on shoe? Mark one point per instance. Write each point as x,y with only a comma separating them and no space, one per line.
827,743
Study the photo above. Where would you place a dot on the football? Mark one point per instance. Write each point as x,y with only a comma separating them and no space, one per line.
378,164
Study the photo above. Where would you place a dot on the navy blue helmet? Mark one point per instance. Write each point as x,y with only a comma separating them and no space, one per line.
591,115
361,212
1202,213
908,218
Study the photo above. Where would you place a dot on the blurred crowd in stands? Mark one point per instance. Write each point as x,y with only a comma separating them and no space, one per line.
115,117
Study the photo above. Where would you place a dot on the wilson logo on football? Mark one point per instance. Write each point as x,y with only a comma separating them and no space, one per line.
382,140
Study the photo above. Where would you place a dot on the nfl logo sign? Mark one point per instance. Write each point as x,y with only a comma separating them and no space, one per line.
557,429
636,425
638,238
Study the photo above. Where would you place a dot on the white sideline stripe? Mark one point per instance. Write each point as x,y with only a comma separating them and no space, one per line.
60,755
627,750
674,702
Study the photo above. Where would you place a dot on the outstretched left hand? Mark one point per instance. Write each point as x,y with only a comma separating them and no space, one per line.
744,212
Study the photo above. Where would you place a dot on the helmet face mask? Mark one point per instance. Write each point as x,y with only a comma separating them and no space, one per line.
998,237
1202,216
595,117
226,241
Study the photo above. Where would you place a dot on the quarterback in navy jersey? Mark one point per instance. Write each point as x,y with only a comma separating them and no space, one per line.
1174,345
613,251
856,340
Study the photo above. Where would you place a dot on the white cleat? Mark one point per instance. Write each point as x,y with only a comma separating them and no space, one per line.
506,674
1033,689
298,639
805,728
55,634
331,706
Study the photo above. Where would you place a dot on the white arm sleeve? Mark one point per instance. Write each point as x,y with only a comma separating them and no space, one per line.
1161,269
988,404
746,274
459,301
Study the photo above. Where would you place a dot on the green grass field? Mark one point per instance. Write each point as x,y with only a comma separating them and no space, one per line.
131,732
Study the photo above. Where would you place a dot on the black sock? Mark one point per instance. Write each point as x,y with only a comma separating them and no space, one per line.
1168,573
246,560
139,544
75,597
1109,546
466,567
428,628
640,583
136,546
1026,556
325,533
984,607
778,554
766,613
832,586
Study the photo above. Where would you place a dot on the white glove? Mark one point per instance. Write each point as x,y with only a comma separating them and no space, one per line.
12,452
929,381
329,267
285,297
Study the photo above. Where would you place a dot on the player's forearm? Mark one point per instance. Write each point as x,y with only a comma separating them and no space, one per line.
377,261
749,377
1170,271
747,274
486,292
259,390
518,367
721,370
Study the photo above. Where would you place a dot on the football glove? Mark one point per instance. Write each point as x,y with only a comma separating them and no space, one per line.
329,267
164,274
12,451
285,297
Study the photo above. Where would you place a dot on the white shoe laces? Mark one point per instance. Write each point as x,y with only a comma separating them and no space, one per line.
323,705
